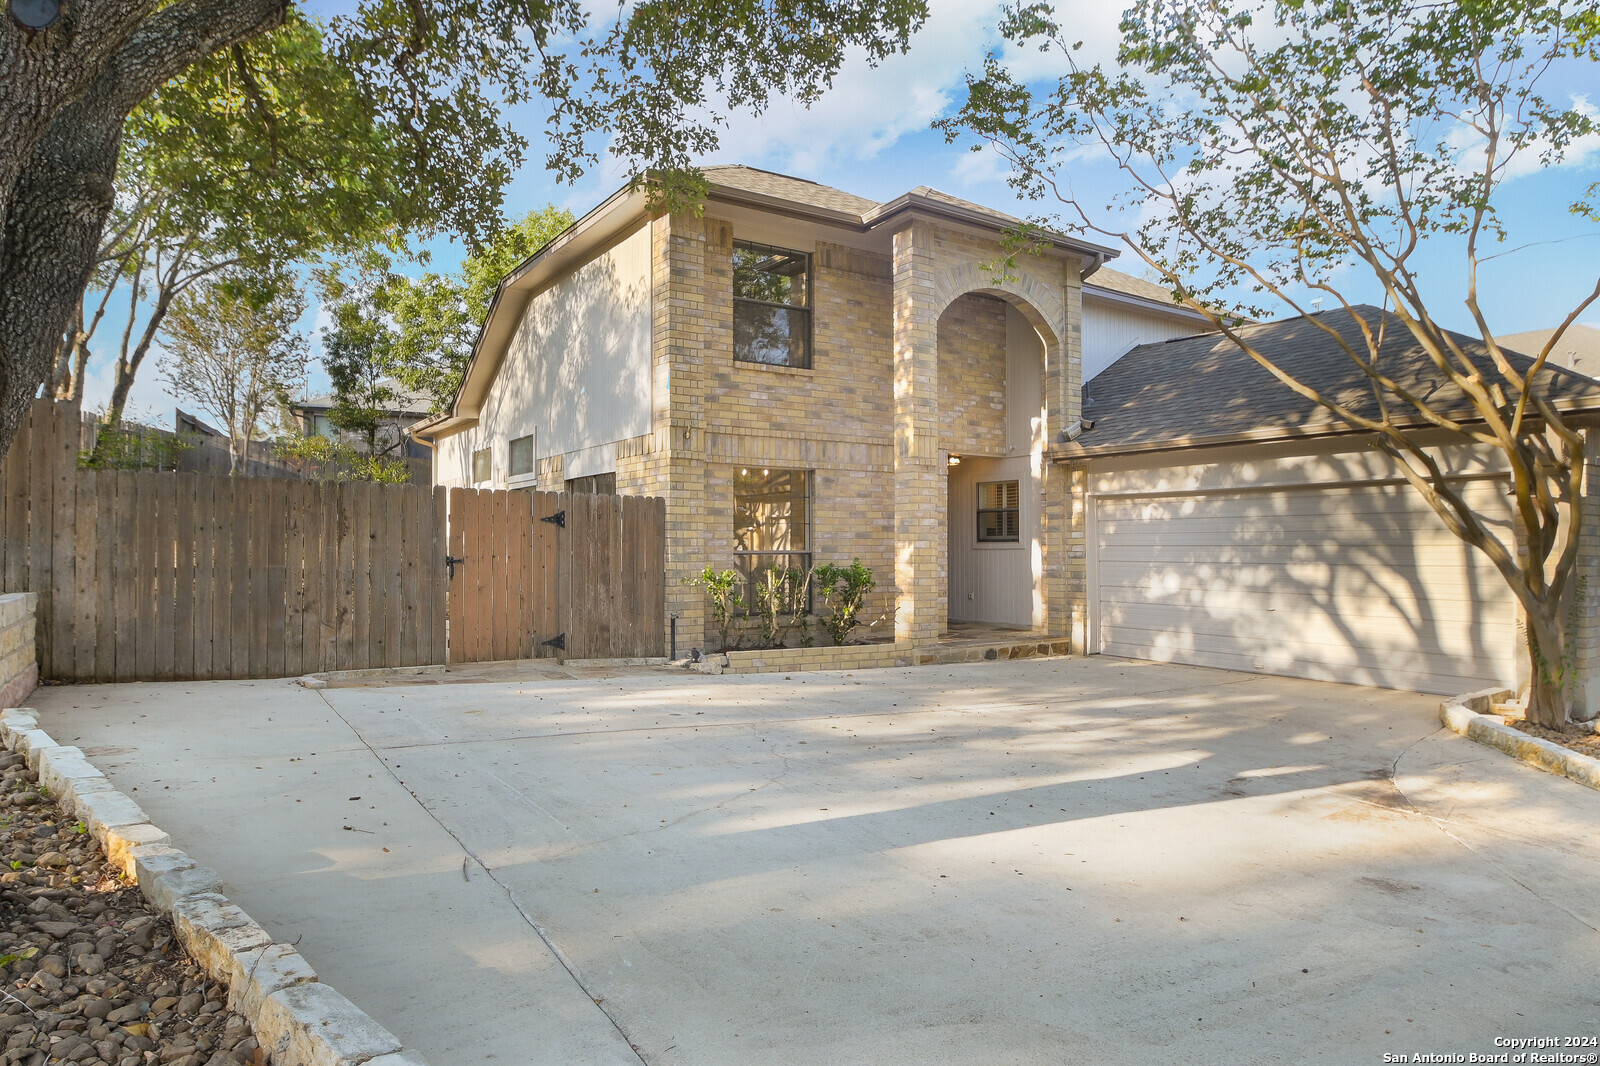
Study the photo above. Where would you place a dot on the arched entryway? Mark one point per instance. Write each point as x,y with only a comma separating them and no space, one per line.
938,406
991,389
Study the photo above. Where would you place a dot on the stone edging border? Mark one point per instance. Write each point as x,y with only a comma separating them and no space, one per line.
1466,714
299,1020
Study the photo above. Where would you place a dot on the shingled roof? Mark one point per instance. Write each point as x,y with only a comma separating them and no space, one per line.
1205,390
782,186
767,189
1128,285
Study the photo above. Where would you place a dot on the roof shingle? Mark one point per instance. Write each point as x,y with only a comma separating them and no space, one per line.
1205,389
782,186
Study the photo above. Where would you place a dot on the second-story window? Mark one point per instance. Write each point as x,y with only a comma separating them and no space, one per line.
771,305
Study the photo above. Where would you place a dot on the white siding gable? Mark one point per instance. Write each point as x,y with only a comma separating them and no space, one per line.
576,375
1111,328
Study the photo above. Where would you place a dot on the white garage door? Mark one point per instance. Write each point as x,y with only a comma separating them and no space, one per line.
1362,585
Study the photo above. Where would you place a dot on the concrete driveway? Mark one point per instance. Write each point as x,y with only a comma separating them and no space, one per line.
1043,861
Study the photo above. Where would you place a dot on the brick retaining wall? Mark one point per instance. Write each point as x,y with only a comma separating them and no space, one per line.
19,658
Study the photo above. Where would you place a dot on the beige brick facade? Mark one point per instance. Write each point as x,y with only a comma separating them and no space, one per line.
909,363
19,658
906,368
972,375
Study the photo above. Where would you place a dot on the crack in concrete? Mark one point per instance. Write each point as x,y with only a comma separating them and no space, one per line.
549,942
1441,824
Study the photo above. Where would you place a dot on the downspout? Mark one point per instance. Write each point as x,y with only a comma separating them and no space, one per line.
433,463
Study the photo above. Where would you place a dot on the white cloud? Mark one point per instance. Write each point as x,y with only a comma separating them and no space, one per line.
869,109
1469,148
986,166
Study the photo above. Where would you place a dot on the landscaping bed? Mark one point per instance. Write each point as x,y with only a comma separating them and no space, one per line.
90,972
1585,743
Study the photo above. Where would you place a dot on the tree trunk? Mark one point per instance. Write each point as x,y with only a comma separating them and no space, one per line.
57,171
49,71
129,362
1547,688
51,237
80,366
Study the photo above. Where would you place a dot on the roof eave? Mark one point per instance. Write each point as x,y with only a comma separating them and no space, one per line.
1165,307
917,203
1076,451
791,208
445,425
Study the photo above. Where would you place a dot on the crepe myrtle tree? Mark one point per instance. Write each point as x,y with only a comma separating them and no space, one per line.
651,77
1290,151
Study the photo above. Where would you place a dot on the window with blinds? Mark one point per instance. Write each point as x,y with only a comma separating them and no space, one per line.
521,457
999,510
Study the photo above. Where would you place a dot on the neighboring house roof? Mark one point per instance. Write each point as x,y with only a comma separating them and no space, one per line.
1578,349
406,402
184,422
1206,390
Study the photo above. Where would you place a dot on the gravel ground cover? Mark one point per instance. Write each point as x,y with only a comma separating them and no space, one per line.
89,971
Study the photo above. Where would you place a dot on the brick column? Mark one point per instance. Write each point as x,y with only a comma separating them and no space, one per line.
1063,574
684,300
1070,366
1586,652
920,480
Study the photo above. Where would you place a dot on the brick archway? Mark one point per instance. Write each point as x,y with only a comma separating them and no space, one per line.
934,267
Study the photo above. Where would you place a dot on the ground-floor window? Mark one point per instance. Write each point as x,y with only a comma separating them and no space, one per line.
771,522
999,511
482,465
521,456
601,483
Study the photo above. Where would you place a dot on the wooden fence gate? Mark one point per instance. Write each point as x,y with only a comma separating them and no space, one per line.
147,576
575,574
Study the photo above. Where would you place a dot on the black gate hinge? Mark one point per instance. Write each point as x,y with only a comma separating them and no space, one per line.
559,519
558,642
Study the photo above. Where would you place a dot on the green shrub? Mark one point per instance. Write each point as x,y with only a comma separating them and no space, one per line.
126,447
723,588
781,605
843,590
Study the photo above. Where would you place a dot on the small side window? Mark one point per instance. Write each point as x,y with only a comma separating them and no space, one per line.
482,465
522,456
999,506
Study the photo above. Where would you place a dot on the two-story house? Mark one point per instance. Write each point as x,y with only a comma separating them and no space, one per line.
809,376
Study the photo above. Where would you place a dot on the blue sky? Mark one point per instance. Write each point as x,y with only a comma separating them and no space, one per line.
871,136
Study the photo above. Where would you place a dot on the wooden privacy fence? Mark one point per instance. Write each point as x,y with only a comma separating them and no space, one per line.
580,574
172,576
163,576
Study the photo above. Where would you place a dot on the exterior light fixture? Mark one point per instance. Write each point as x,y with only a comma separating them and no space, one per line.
34,15
954,460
